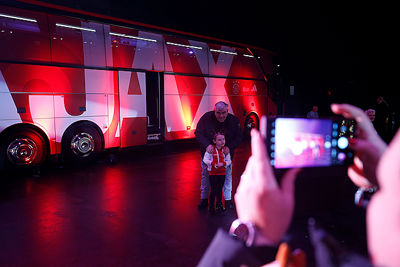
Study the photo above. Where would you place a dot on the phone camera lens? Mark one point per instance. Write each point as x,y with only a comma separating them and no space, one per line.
343,142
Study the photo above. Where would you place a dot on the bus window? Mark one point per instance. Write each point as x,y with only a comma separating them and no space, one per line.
266,60
23,35
130,48
185,56
245,65
233,62
220,59
76,41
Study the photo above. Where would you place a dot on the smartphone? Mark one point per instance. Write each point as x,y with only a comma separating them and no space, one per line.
302,142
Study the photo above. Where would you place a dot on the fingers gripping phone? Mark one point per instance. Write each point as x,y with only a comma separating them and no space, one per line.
301,142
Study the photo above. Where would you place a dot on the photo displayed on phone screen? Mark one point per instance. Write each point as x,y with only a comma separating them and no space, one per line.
300,142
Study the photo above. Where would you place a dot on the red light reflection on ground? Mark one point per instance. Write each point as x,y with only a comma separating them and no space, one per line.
51,219
112,200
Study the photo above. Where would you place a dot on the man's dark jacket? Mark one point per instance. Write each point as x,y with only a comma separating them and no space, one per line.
208,124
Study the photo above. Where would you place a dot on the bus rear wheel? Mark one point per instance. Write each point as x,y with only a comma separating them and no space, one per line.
24,147
81,143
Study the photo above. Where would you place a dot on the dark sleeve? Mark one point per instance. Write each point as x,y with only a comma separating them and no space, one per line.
329,252
224,250
200,133
237,135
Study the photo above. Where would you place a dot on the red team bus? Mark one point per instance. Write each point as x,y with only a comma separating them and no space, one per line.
75,83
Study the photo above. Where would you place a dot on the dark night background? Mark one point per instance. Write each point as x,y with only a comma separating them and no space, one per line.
331,51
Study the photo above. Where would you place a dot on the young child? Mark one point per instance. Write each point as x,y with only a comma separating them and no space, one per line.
216,166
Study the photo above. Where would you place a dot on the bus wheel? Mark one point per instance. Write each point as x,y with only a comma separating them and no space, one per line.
25,147
251,122
81,143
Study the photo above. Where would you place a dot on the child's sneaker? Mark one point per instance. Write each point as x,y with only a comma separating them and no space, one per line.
220,208
211,210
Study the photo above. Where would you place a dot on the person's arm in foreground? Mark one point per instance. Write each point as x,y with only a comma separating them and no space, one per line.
383,212
260,201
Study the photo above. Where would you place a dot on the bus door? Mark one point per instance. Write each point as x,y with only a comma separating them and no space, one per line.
155,107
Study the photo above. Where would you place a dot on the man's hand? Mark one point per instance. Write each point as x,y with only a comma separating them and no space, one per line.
225,150
368,146
218,165
258,197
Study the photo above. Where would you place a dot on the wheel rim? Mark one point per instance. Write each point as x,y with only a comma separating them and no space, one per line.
82,144
22,151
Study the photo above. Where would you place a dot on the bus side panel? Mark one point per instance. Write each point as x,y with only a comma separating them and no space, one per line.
94,89
27,98
247,96
24,35
184,107
113,133
272,107
218,92
183,100
42,112
78,94
35,79
8,111
132,86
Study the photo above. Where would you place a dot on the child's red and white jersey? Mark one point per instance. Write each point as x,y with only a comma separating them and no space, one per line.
216,157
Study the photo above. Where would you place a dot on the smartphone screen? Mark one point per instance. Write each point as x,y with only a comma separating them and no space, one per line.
301,142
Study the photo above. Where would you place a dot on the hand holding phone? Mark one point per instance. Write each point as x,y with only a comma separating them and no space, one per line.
369,147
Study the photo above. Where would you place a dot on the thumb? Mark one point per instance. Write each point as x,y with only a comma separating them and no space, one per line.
287,184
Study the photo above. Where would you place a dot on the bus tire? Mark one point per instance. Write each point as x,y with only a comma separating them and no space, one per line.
23,146
82,143
251,121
